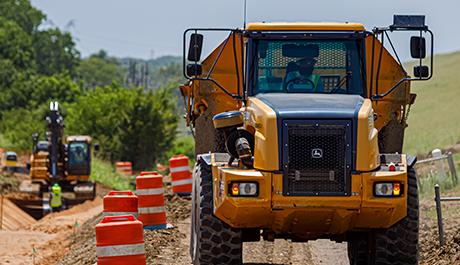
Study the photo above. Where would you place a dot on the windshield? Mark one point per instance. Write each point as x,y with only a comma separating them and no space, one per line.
308,66
78,153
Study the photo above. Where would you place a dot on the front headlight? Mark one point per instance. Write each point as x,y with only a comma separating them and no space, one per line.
244,189
387,189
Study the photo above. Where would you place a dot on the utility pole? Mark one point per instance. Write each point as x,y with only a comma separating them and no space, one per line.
146,75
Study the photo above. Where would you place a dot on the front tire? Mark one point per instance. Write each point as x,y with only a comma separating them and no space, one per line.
395,245
212,241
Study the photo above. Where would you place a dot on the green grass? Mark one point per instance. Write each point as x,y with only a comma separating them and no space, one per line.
434,120
104,173
427,180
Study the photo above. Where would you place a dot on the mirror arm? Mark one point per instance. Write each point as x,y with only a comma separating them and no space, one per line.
208,76
184,45
406,79
381,96
218,57
432,55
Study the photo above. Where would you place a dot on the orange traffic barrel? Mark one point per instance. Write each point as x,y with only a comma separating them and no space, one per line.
149,190
124,167
181,177
120,203
120,240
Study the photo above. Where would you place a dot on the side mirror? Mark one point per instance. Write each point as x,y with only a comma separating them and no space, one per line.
195,47
96,147
421,71
194,69
417,47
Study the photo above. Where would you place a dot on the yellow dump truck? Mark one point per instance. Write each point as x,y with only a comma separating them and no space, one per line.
299,130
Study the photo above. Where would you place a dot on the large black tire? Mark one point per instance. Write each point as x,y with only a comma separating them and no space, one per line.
395,245
212,241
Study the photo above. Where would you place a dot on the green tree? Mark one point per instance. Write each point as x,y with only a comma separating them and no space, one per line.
15,45
148,129
19,124
55,52
131,125
59,88
100,70
23,13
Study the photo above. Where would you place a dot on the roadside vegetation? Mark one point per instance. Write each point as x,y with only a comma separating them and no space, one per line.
131,114
104,173
434,118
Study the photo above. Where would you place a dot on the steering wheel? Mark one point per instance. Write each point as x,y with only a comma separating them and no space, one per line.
297,80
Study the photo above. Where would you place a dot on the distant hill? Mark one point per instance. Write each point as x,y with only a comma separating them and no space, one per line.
434,120
154,64
161,71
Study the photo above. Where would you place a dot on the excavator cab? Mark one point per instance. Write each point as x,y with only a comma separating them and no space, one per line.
79,155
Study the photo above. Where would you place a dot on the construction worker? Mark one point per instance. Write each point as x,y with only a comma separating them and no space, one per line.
56,198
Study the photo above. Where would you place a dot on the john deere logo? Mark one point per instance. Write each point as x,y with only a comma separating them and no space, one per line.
317,153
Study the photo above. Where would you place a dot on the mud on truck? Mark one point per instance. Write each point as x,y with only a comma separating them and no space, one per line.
299,131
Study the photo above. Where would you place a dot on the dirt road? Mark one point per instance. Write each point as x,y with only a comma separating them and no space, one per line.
171,246
68,238
45,241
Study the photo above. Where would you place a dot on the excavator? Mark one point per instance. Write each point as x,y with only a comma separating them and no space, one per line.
299,132
62,161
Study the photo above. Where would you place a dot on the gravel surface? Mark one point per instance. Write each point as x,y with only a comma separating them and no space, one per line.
170,246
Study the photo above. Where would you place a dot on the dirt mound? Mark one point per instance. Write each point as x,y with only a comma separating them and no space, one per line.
177,208
82,244
12,217
162,246
68,219
47,240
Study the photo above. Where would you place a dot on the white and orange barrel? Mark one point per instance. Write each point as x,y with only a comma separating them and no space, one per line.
120,240
124,167
149,190
181,177
120,203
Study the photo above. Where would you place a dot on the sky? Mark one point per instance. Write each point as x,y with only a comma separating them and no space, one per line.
152,28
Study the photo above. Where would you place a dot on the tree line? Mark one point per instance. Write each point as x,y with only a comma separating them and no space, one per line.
41,64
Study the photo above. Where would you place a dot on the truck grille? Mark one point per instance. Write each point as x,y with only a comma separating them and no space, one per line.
317,158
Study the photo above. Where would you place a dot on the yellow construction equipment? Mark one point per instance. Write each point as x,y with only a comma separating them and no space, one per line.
9,159
299,130
58,163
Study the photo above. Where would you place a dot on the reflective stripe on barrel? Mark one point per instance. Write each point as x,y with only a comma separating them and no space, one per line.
179,169
155,191
120,250
181,182
119,213
147,210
